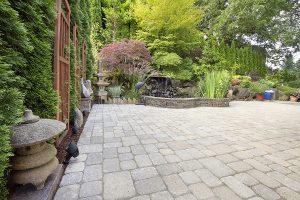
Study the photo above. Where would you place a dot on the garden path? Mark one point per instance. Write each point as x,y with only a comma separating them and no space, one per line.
250,150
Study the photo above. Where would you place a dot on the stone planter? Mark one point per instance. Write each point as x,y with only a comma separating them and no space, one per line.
185,102
34,159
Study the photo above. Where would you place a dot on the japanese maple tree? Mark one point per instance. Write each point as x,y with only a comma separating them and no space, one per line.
129,55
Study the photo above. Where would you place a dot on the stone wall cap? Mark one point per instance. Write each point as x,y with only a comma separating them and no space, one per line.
34,133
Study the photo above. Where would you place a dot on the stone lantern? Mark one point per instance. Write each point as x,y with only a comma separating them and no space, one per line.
34,159
101,84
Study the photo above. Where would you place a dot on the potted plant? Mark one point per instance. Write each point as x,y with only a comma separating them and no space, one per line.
258,89
115,92
294,98
289,91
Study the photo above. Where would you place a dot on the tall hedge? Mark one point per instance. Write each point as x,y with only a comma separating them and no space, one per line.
81,16
14,43
39,20
26,40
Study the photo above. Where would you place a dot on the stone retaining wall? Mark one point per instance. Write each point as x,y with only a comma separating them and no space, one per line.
184,102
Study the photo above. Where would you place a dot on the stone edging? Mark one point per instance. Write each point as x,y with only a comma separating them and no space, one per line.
185,102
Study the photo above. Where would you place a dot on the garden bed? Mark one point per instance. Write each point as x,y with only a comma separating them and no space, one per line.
185,102
61,148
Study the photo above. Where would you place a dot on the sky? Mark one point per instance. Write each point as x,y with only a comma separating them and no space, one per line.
296,56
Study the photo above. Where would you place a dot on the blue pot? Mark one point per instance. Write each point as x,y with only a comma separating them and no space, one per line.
268,95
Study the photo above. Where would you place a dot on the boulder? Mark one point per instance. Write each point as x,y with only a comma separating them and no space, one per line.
230,94
240,93
283,97
78,118
243,93
176,83
186,92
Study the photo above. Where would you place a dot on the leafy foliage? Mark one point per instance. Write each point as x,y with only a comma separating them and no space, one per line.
115,91
219,56
268,23
258,87
111,20
169,28
130,55
82,17
215,84
38,18
288,90
14,43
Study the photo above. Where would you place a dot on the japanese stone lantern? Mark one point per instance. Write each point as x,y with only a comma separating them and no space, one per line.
34,159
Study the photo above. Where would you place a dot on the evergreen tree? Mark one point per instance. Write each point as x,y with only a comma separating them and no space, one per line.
38,18
14,42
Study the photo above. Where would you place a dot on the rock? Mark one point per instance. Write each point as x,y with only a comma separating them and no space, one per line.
230,94
283,98
188,84
239,93
243,93
251,96
185,92
176,83
78,120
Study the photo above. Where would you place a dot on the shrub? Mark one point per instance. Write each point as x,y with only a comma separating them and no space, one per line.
269,83
131,56
132,94
244,81
258,87
215,84
39,19
115,91
294,84
14,43
288,90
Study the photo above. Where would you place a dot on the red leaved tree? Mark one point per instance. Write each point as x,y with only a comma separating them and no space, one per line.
129,55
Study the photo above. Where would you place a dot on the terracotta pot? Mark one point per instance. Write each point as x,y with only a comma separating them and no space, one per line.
259,97
293,99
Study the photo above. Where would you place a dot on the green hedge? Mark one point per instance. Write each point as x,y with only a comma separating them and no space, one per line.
14,43
26,60
81,16
26,40
39,20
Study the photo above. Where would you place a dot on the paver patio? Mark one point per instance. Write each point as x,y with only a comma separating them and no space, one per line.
250,150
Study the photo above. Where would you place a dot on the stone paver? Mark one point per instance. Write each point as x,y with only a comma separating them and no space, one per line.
225,193
266,192
118,185
175,184
238,187
90,189
149,186
250,150
201,191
